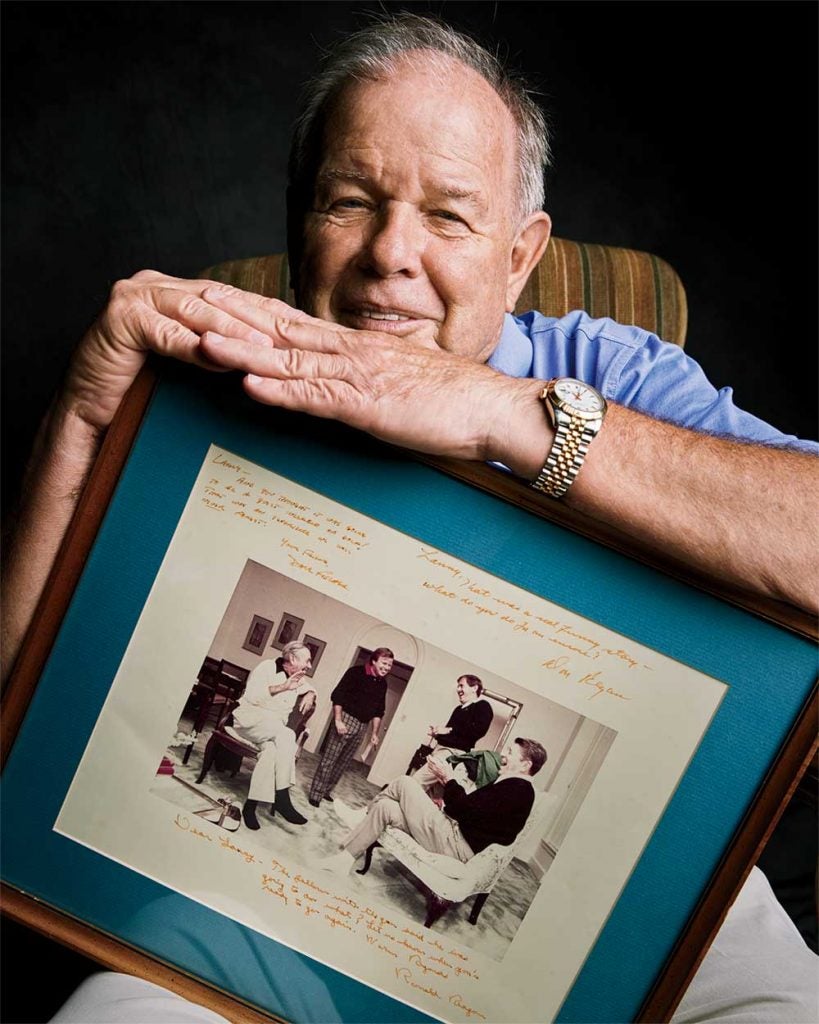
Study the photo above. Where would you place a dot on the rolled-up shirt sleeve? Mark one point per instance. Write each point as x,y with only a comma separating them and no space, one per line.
634,368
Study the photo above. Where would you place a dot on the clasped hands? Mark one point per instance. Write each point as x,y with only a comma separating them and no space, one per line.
403,390
442,771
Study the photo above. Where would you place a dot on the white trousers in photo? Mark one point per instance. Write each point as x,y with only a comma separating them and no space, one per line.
276,764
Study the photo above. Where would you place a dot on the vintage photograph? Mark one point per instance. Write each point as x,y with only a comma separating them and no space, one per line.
416,772
439,790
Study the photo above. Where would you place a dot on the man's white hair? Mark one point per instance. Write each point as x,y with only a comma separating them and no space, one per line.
292,647
373,52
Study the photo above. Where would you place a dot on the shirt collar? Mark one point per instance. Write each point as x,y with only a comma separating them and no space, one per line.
513,354
515,775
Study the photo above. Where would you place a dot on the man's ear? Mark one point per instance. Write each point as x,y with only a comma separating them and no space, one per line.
528,247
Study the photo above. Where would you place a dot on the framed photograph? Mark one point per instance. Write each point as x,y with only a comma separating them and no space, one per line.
316,650
668,752
289,629
256,639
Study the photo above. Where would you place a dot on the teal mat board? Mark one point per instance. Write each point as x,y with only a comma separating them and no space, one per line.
769,671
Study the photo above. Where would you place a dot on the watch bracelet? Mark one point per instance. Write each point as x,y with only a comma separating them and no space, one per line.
565,458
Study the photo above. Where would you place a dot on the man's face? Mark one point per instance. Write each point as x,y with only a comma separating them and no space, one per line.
298,661
415,214
513,761
382,666
464,690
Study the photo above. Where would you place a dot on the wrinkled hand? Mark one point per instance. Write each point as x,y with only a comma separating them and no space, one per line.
405,391
440,769
149,312
307,702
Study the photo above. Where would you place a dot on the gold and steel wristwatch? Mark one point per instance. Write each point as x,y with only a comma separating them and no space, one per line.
576,411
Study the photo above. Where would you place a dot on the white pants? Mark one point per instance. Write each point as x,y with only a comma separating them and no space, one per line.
276,765
757,971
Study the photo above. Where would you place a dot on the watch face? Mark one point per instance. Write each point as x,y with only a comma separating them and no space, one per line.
578,397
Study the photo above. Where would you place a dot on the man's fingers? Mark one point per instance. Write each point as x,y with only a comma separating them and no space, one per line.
200,316
255,310
289,327
168,337
328,399
281,364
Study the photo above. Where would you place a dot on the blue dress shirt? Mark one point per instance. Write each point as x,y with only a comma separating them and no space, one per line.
631,367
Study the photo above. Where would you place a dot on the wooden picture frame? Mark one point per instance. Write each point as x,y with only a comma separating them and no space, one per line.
316,647
91,903
288,630
257,635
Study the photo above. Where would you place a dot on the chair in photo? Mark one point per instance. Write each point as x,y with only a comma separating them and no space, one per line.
218,682
228,749
447,880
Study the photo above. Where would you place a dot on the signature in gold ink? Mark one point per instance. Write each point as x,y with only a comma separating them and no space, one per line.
405,974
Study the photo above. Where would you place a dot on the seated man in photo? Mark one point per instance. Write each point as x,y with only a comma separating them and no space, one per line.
468,723
261,718
468,822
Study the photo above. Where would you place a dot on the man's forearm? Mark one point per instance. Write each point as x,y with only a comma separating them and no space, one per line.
273,690
743,511
64,452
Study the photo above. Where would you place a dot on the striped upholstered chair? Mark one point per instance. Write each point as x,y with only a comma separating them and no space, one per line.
629,286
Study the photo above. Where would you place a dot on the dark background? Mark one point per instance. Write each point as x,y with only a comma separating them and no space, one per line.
155,135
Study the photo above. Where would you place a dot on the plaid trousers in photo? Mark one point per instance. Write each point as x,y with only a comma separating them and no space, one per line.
337,755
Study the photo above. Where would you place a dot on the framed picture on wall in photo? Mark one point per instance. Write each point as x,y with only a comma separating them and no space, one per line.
288,630
260,629
316,648
643,691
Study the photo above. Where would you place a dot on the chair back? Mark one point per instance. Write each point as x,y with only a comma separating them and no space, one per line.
628,285
225,713
209,672
233,677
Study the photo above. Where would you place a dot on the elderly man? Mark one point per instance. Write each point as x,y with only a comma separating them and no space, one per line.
415,218
272,692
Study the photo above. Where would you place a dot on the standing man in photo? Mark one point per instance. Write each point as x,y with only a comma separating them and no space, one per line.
359,698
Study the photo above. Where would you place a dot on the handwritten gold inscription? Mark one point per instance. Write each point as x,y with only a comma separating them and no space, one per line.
315,538
421,961
449,582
